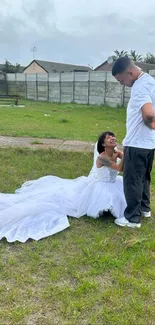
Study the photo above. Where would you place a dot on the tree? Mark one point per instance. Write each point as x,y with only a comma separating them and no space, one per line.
10,68
17,68
132,55
118,54
150,58
135,57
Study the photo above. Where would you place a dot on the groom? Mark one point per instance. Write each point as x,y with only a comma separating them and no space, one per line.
139,142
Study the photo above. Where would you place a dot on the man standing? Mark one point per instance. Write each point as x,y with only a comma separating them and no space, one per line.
139,142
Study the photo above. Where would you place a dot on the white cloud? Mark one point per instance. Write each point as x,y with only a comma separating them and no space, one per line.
76,31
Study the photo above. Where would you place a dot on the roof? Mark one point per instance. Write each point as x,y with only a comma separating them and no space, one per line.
143,65
50,67
99,66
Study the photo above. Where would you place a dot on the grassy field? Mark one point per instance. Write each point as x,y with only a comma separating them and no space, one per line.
62,121
93,273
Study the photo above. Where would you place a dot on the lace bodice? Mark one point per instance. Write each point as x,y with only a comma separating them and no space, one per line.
103,174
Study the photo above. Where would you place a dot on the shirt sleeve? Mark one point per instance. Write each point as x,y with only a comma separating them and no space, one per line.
141,97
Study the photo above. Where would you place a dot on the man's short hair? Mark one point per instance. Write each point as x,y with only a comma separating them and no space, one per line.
121,64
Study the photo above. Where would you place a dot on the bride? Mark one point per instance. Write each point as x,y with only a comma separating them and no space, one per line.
40,207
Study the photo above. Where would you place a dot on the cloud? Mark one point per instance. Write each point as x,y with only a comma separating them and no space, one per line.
74,31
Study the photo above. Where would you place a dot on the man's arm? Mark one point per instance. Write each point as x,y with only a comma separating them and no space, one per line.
143,102
148,115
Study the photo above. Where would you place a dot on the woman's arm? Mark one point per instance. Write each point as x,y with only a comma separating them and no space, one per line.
105,161
121,164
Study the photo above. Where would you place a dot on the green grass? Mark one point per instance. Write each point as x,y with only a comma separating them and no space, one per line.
93,273
63,121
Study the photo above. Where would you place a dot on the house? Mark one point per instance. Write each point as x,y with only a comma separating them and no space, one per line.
105,66
38,66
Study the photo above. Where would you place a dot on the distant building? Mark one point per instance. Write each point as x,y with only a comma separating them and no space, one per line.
38,66
105,66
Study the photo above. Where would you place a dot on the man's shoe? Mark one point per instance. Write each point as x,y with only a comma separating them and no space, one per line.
122,222
146,214
133,225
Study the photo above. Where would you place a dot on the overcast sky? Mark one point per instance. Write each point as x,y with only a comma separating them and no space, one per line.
74,31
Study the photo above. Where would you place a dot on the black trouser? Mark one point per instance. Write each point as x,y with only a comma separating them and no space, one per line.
136,180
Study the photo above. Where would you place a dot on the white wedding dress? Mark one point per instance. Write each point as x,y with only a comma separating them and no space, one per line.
40,207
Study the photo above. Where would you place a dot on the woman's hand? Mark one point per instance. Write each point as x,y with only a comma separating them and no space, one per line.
119,152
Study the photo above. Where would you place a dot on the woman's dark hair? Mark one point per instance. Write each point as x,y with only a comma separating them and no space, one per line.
100,147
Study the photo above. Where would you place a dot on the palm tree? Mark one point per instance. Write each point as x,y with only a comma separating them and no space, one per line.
118,54
150,58
135,57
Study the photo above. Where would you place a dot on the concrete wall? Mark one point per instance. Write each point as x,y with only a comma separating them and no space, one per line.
98,88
